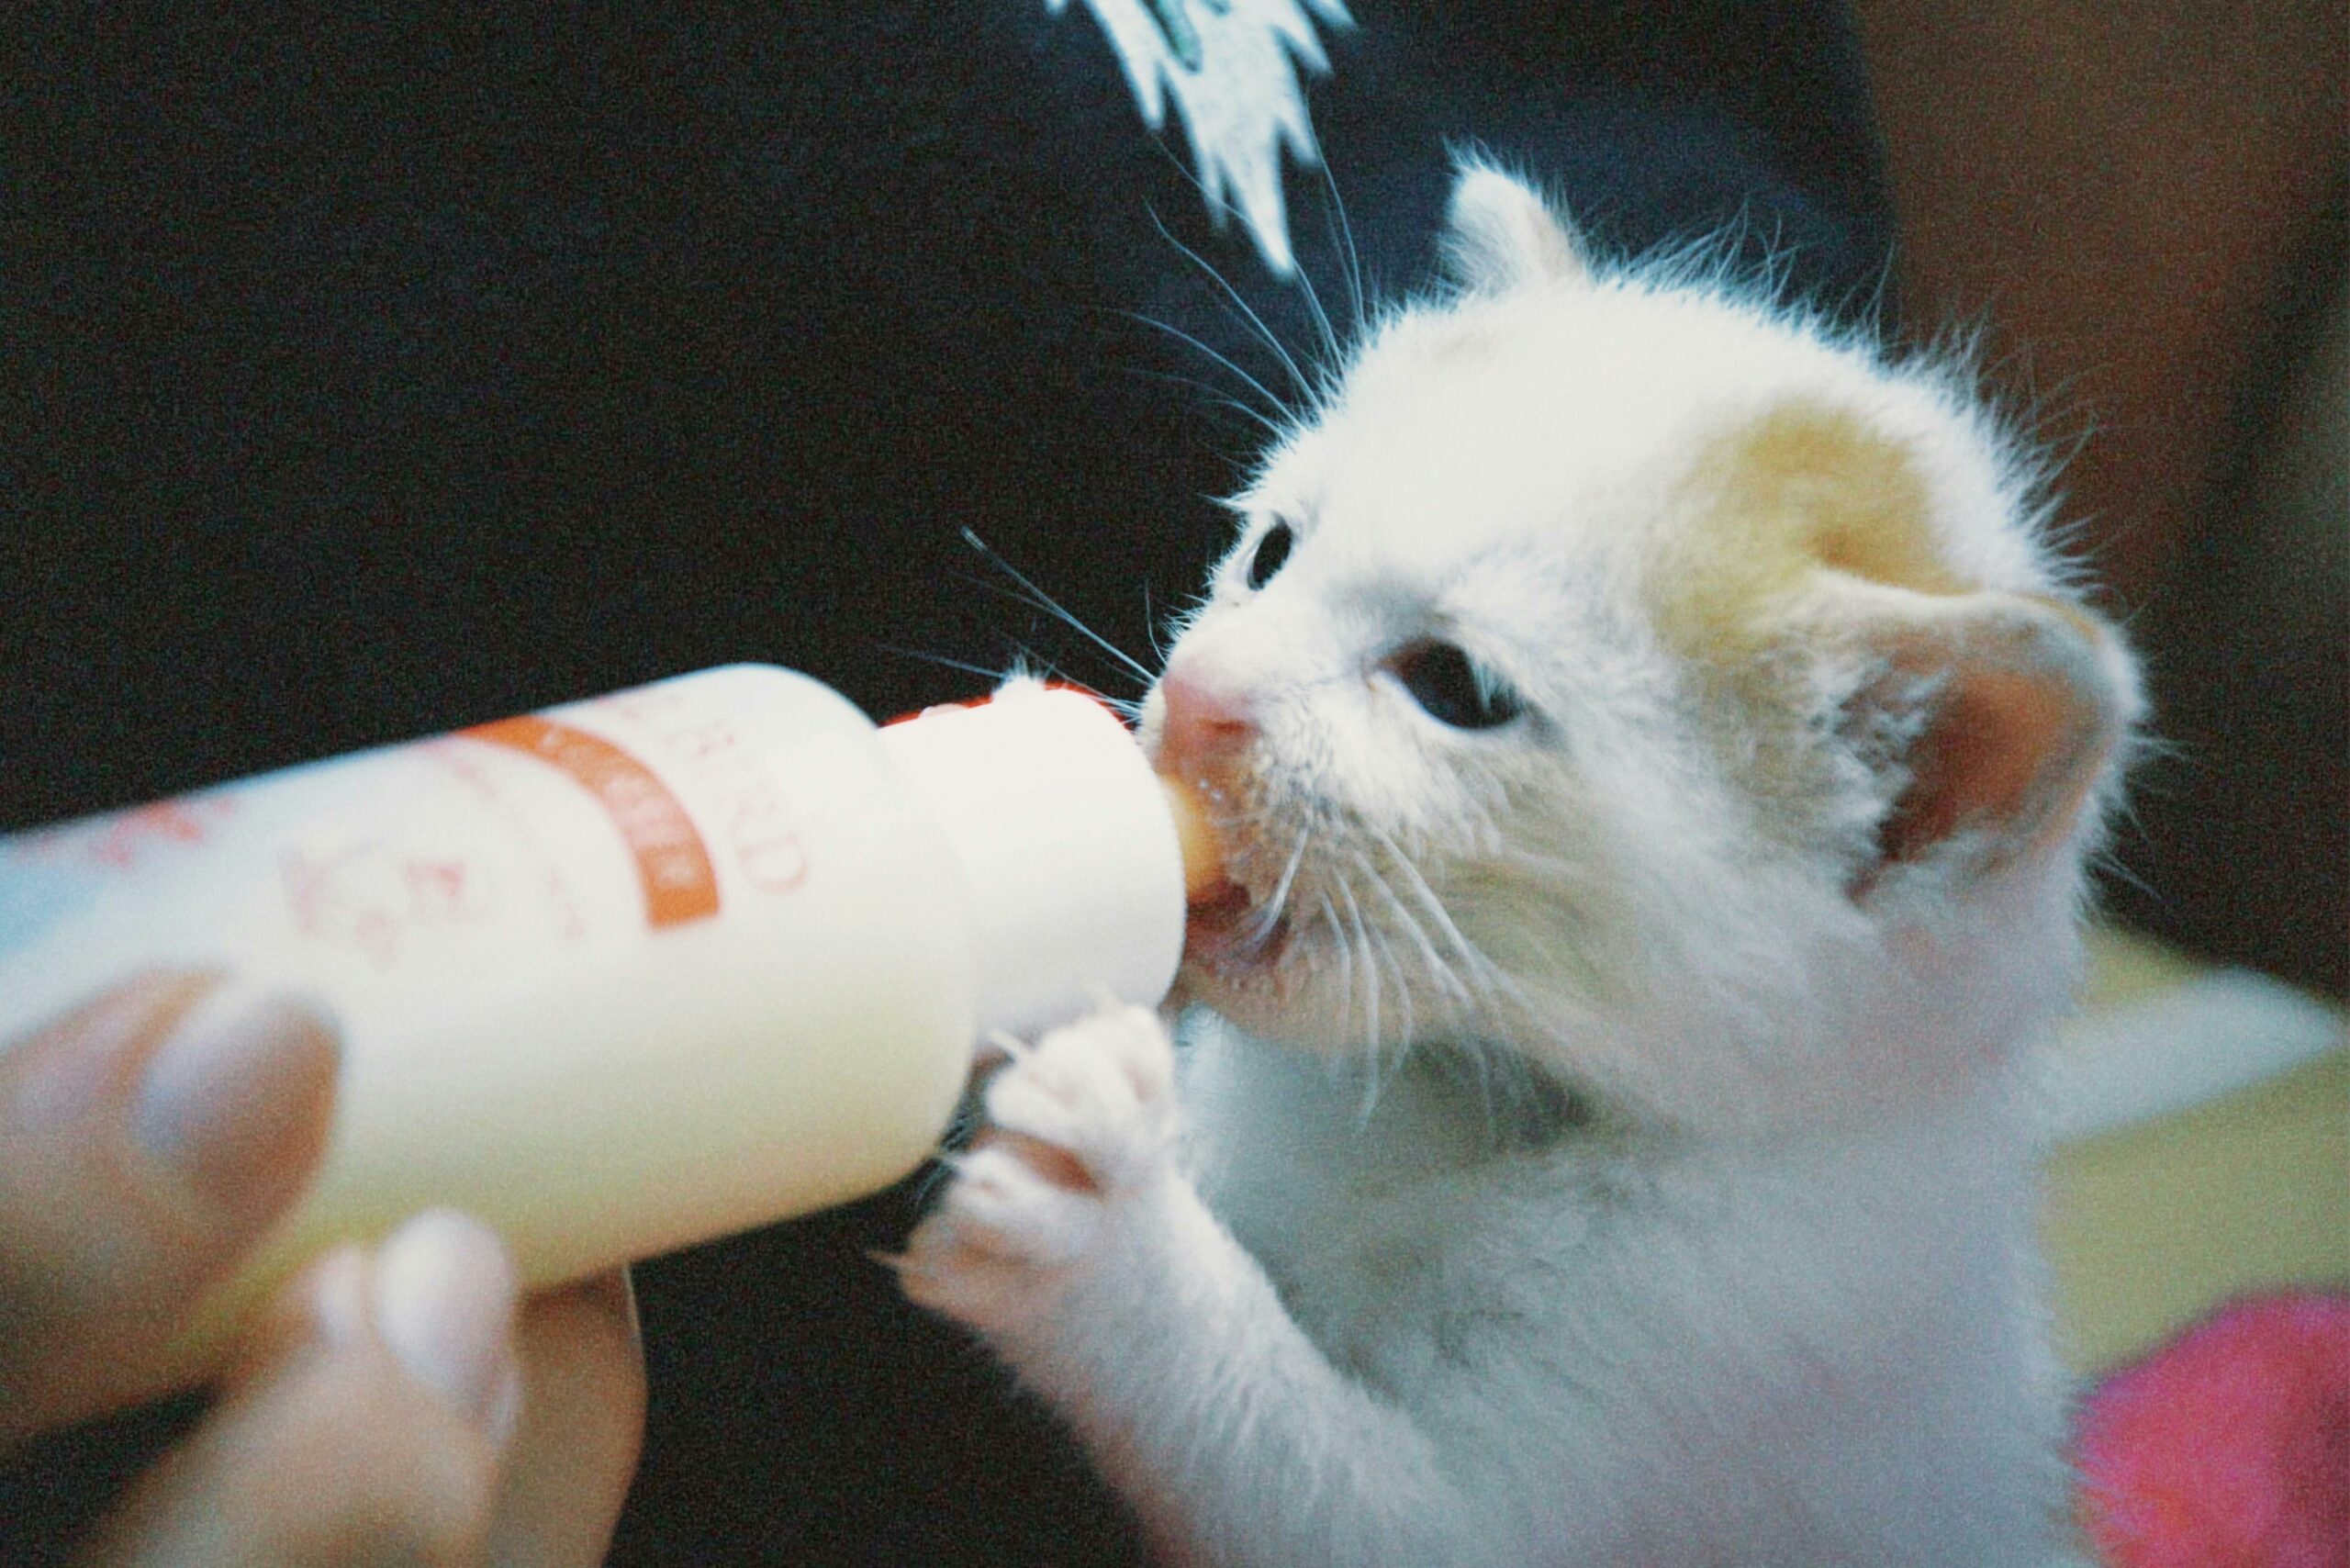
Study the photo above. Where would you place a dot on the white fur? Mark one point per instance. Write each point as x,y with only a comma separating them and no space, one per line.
1591,1174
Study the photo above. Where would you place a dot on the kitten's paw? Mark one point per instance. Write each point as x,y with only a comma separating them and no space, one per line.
1091,1107
1076,1126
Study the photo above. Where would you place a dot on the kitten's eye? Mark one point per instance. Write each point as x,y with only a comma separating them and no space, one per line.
1449,685
1272,551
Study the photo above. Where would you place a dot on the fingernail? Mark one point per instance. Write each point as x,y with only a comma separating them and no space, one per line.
236,1099
444,1303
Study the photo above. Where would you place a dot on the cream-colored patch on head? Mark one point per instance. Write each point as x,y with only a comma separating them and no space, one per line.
1776,519
1805,488
1808,579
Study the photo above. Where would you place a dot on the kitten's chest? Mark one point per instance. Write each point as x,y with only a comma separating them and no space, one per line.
1384,1221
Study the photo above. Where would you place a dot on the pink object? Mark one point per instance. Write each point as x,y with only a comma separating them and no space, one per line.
2230,1446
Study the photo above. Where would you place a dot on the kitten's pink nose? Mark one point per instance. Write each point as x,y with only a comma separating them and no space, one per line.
1207,720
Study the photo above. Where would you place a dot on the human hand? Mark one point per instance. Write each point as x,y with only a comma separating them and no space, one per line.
391,1404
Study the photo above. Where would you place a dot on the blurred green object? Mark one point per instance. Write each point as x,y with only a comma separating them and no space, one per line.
2201,1119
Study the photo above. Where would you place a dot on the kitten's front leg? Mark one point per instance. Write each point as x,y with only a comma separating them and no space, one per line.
1072,1242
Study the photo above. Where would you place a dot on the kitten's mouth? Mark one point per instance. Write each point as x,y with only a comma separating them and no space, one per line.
1231,926
1226,930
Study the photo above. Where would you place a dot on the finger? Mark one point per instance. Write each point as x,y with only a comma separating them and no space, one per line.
366,1423
583,1421
145,1140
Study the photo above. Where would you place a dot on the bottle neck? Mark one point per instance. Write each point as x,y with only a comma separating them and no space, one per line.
1072,874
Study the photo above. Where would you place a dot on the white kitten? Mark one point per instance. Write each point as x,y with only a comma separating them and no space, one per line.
1659,755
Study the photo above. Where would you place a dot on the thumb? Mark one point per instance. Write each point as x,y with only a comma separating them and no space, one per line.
146,1139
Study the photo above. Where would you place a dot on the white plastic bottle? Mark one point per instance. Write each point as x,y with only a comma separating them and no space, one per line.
642,970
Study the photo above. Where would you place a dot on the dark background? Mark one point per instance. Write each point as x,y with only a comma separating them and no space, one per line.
363,377
370,375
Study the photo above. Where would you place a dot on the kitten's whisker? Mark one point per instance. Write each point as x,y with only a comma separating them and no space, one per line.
1150,628
1437,965
1330,334
1214,395
1331,347
1215,203
1051,606
1374,983
1403,995
1466,980
1297,266
1343,241
1491,974
1254,385
1270,916
1425,896
1010,596
1240,304
1346,966
998,677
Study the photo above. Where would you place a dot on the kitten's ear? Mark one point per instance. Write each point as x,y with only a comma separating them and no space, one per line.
2000,715
1499,235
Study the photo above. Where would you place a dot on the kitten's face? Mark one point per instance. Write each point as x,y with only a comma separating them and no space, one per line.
1519,697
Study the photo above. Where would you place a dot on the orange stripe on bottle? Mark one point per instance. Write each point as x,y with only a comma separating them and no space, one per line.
679,883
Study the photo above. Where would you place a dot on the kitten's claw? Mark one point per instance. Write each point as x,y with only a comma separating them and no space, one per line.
1077,1126
1101,1092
